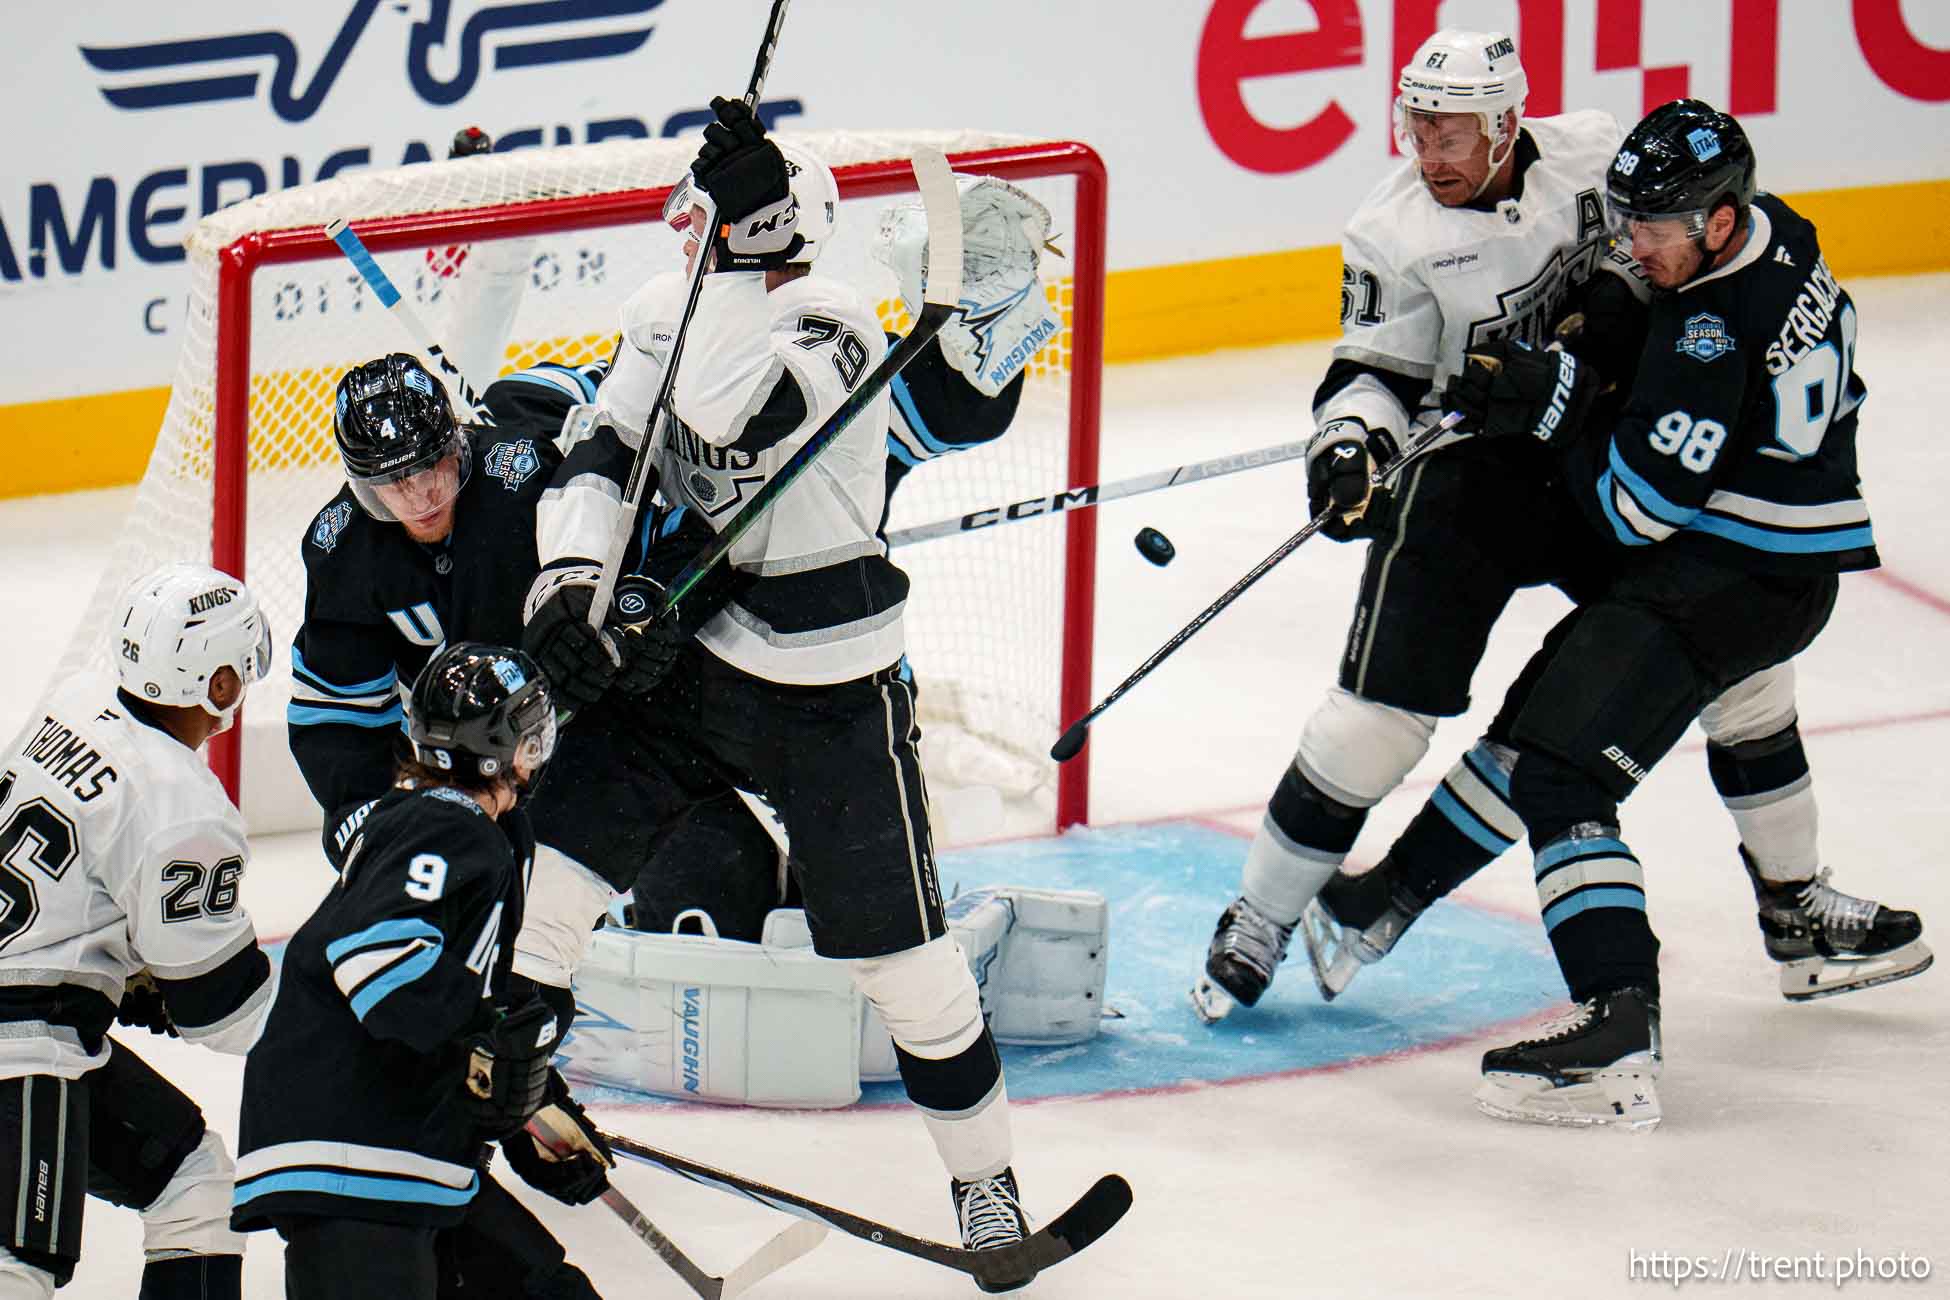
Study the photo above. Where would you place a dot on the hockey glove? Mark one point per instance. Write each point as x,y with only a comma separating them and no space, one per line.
1506,389
579,661
1607,331
1339,466
143,1007
649,638
507,1067
561,1152
746,177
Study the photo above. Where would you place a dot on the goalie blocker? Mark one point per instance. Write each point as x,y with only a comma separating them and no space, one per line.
775,1024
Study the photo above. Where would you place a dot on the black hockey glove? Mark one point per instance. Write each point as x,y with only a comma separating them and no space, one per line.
1607,329
143,1007
574,1165
746,177
1338,472
1507,389
507,1066
580,662
649,638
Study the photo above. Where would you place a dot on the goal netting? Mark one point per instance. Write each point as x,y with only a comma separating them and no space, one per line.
547,244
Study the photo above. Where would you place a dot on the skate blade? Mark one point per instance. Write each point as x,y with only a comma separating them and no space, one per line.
1332,960
1621,1099
1822,977
1210,1002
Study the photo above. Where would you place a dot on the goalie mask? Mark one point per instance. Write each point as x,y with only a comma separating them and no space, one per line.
813,188
1458,73
405,455
482,712
178,626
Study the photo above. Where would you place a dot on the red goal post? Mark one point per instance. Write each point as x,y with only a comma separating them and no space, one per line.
237,362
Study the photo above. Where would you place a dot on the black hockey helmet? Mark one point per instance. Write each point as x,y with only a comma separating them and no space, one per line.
1683,160
482,711
392,421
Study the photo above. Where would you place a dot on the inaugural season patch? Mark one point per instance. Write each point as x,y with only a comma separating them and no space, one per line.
330,523
514,463
1705,338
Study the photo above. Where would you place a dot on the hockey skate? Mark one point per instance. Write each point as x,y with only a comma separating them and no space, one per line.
1595,1066
1247,948
1829,942
1354,922
990,1214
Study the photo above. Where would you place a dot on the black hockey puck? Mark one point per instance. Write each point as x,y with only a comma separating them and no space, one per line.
1155,547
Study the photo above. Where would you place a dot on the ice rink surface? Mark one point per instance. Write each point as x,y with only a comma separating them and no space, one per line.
1789,1130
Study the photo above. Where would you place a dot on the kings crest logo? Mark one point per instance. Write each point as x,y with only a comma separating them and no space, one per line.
445,56
330,523
514,463
1705,338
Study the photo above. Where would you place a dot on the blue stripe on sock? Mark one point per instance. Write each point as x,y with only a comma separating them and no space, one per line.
1467,822
1585,900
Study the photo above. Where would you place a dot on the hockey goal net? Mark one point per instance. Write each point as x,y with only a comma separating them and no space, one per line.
554,240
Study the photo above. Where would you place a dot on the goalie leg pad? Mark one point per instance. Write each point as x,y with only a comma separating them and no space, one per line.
1039,957
565,899
710,1019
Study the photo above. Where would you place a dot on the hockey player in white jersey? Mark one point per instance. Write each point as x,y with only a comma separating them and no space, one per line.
792,687
1493,229
122,881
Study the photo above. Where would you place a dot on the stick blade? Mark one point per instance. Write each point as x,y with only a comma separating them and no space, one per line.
941,200
802,1236
1070,743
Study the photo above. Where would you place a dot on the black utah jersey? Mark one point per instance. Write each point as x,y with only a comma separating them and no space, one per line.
378,604
353,1104
1738,439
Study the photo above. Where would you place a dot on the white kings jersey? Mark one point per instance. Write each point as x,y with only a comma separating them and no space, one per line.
1422,283
760,374
119,852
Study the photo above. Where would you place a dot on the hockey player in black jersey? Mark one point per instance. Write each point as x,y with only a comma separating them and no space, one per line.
396,1049
1728,486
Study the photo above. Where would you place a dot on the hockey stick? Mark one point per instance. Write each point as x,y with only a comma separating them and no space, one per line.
1078,498
1000,1269
942,202
766,1260
658,426
1071,741
389,296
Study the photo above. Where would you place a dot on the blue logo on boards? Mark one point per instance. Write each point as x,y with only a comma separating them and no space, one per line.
330,523
514,463
211,69
1705,143
1705,338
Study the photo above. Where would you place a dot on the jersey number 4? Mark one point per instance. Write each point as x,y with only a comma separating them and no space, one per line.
34,834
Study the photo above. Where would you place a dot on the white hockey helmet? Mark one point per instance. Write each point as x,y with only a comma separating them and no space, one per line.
812,185
1457,71
177,626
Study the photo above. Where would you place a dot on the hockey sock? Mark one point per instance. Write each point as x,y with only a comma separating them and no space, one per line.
1463,827
1302,841
965,1104
1590,886
1766,787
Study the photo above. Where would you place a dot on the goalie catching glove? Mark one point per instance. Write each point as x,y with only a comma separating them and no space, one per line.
746,177
561,1152
1005,318
1509,388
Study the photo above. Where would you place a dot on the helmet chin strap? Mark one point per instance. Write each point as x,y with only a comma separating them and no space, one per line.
1496,163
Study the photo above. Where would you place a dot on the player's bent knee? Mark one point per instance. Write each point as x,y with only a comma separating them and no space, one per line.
564,900
20,1280
192,1214
1752,709
926,996
1355,751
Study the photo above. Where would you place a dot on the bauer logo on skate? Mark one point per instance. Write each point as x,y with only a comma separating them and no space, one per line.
169,74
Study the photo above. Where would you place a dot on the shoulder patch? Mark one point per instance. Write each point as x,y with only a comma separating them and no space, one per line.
1705,338
330,523
514,463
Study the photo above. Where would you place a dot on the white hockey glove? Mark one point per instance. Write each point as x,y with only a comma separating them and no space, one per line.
1005,317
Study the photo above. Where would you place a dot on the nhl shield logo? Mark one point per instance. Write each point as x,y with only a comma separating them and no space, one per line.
330,523
1705,338
514,463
